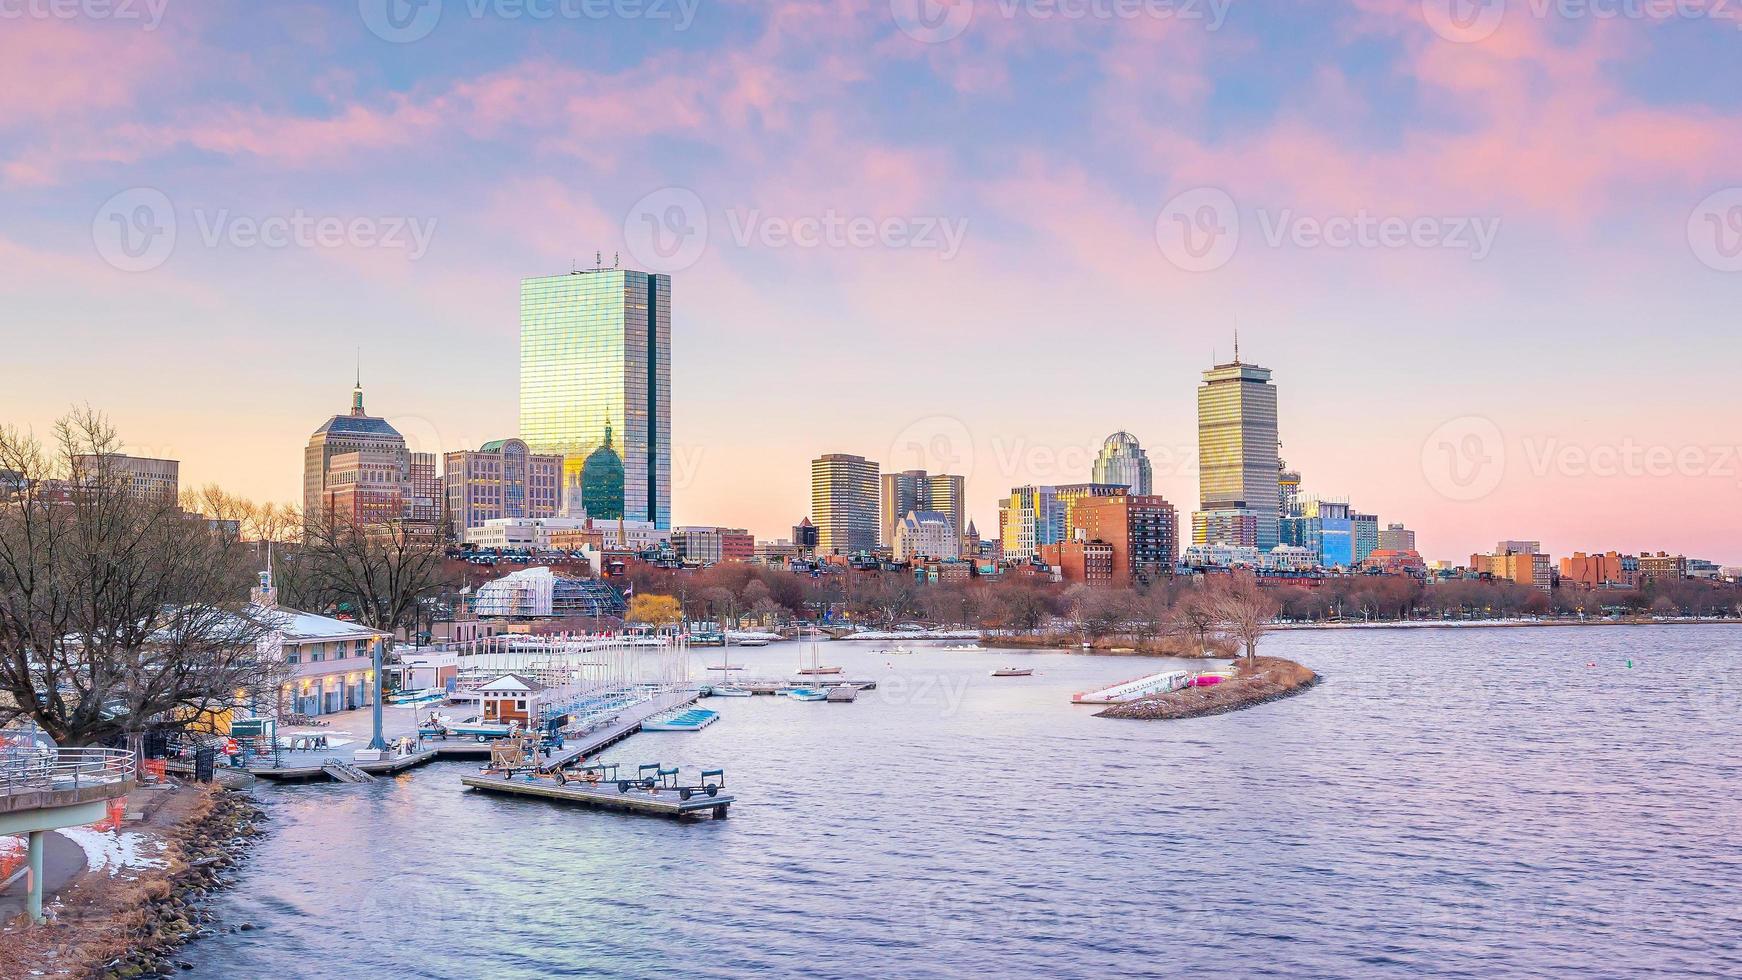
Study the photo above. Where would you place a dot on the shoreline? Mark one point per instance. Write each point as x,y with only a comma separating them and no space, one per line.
104,925
1259,681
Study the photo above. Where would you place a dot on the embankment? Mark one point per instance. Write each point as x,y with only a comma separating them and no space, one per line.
1259,681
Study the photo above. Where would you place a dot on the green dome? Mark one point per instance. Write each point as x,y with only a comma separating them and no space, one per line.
602,482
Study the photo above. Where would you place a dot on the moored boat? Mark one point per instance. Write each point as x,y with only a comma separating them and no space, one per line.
1013,672
806,694
730,691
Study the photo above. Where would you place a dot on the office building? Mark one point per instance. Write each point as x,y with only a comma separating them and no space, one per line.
1366,530
804,537
713,545
595,388
1396,537
136,476
1239,469
379,465
916,490
844,496
1662,567
1122,462
426,500
367,486
1327,529
501,479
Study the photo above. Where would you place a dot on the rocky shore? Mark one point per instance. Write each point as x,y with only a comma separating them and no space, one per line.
1259,681
110,928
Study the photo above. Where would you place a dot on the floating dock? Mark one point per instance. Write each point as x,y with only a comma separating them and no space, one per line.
1167,680
606,796
781,686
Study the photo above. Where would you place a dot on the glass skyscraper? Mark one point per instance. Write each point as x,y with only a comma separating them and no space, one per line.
1238,465
1123,462
595,370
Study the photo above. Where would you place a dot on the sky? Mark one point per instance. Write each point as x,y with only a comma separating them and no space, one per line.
1492,249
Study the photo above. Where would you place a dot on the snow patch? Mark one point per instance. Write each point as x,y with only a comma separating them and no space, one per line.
115,850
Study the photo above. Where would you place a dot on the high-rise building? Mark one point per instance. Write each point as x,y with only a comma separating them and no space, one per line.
595,388
1239,470
1327,529
502,479
1366,530
1142,529
426,489
1396,537
917,490
137,476
382,469
1122,462
844,497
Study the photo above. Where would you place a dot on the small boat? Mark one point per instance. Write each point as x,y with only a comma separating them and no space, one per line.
820,671
806,694
843,694
725,666
1013,672
417,697
963,648
816,669
898,651
730,691
687,720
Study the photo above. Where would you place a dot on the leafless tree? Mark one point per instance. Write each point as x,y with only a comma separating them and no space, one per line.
1245,611
377,572
118,611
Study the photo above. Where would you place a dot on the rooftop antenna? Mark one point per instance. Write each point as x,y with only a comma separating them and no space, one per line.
616,259
598,260
1236,347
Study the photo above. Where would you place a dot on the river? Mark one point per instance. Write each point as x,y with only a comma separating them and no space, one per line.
1454,802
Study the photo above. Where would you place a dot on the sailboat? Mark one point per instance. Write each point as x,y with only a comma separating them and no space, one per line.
816,669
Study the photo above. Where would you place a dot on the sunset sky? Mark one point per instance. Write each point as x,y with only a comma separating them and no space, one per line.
1039,223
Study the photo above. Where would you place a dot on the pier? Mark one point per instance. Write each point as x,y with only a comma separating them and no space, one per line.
781,686
606,796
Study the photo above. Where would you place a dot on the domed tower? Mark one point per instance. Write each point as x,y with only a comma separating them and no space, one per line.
1123,462
602,482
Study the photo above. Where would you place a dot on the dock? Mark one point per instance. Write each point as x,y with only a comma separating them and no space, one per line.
666,803
317,765
764,685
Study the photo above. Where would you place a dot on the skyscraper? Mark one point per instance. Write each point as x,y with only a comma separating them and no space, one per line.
844,503
1239,471
376,465
503,479
917,490
1123,462
595,373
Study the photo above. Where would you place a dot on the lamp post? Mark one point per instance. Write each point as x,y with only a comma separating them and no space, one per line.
379,742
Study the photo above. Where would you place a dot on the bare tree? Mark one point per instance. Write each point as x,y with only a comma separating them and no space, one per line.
118,611
1196,615
1246,612
378,572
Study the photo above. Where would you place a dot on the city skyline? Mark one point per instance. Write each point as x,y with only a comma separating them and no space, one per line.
1463,381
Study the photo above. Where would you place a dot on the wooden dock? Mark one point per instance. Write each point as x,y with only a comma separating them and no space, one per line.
606,796
764,685
313,765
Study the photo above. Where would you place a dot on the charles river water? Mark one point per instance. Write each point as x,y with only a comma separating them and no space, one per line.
1481,802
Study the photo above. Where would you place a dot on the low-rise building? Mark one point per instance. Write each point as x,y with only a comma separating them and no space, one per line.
1606,571
713,545
1662,567
923,534
331,661
540,593
1517,561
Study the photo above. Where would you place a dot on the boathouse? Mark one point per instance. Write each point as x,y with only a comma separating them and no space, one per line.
510,698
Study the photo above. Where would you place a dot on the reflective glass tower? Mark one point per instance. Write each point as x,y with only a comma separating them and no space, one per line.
1123,462
595,360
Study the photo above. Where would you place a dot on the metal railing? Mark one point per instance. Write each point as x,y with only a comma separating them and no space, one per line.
35,769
